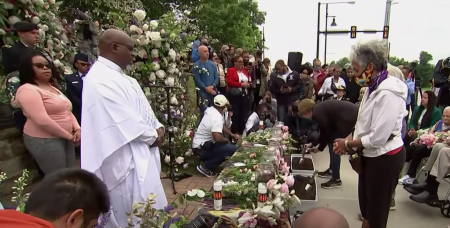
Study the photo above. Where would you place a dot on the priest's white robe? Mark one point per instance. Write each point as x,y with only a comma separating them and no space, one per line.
118,126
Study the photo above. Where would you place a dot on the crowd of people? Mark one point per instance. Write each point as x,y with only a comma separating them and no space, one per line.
310,103
238,93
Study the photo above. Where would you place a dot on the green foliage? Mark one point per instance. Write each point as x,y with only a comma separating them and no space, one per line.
231,21
342,62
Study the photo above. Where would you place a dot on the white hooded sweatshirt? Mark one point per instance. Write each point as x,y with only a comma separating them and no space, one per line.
381,114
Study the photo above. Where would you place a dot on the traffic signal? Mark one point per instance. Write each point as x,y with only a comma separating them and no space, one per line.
386,32
353,32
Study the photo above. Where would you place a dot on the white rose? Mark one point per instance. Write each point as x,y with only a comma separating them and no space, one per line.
167,45
145,27
179,160
172,54
142,53
170,70
146,41
68,70
177,71
186,165
155,36
45,28
174,101
160,74
152,77
154,53
133,28
13,19
189,152
170,81
2,32
35,20
156,66
140,15
153,24
167,159
41,34
8,5
38,2
51,1
57,63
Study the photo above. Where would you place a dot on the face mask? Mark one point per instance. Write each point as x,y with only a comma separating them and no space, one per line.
364,78
317,68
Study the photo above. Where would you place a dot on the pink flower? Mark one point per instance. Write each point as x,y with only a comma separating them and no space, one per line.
253,155
289,180
284,168
285,135
284,188
285,128
284,147
427,139
271,183
278,152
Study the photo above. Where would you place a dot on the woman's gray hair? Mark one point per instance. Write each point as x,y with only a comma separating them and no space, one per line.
374,51
348,66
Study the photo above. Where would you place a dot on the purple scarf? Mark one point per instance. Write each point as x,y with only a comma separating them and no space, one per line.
375,82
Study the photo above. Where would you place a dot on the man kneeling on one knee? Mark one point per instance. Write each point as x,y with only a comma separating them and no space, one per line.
209,143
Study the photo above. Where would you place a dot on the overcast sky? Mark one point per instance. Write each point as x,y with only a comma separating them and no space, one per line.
415,25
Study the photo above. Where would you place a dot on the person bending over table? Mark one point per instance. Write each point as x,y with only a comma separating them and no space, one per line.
209,143
336,119
303,129
416,152
426,192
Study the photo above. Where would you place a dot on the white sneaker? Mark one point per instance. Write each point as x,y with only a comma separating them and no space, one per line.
403,179
410,181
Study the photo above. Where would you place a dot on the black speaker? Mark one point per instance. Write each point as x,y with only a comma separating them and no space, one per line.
295,60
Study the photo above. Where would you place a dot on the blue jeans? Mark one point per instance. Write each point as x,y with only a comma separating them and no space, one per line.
205,100
219,152
282,111
335,163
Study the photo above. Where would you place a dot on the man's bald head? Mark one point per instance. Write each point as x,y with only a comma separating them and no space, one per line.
203,51
314,218
116,46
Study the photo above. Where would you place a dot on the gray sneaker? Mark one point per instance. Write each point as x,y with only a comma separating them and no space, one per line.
392,207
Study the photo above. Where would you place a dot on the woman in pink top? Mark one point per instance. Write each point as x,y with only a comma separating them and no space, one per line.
51,130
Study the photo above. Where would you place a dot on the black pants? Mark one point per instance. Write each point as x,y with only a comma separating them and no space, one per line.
222,90
432,185
240,108
256,97
414,155
377,184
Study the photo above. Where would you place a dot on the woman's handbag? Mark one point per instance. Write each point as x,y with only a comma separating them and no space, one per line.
355,160
235,92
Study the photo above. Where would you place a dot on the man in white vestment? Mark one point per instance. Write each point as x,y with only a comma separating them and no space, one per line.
121,134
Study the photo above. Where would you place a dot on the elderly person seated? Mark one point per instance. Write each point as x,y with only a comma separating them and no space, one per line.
416,151
426,192
209,143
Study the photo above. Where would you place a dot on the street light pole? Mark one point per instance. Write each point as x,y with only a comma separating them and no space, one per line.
318,30
326,35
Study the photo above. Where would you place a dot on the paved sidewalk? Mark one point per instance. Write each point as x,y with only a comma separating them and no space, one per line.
195,182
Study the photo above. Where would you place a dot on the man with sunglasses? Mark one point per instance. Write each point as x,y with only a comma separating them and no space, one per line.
75,83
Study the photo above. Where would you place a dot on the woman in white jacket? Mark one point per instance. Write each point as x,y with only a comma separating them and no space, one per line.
377,132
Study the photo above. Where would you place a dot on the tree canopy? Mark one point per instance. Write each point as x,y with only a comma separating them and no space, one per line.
226,22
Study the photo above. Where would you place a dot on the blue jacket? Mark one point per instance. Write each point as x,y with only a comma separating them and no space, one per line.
411,87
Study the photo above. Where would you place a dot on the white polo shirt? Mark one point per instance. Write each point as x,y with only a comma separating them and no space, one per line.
212,122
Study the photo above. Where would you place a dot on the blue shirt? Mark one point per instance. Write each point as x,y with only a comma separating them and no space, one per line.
205,74
411,87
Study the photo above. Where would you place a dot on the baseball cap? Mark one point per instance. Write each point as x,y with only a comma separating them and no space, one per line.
220,100
225,48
